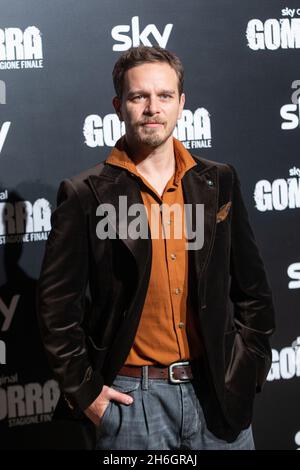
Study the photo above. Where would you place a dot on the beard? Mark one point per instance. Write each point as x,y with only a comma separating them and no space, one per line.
152,137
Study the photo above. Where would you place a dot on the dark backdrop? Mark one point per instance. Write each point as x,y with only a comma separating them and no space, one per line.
242,84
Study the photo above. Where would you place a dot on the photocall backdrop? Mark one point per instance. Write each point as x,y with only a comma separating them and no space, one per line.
242,86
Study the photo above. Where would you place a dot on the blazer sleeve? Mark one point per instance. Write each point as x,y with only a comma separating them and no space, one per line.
61,300
250,291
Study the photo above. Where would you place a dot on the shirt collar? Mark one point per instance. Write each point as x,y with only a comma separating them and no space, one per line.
119,157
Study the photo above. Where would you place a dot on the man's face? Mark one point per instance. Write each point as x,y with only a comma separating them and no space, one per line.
150,104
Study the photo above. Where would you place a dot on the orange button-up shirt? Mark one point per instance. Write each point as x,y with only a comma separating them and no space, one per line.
167,331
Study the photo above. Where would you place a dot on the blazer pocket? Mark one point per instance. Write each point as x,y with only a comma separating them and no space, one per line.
223,212
229,338
241,375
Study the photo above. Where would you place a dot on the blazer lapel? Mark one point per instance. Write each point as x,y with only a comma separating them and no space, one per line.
200,186
111,183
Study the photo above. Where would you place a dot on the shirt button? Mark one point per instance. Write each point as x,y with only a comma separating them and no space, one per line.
177,290
181,325
169,222
173,256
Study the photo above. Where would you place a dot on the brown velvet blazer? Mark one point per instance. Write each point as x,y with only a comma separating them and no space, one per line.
91,292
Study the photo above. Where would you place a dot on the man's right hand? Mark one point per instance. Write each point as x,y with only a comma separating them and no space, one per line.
96,410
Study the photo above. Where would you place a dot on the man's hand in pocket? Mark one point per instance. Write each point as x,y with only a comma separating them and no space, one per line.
96,410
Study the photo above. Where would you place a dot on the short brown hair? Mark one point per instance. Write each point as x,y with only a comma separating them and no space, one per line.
143,54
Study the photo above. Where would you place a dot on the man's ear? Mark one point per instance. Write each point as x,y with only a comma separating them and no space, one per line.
181,105
117,105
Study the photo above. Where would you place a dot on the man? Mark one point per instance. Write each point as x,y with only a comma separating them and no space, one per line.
158,359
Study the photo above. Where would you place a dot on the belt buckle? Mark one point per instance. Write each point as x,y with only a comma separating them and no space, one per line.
172,379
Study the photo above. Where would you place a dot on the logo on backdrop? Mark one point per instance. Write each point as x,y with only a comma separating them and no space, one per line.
297,440
21,49
24,221
290,113
280,194
5,125
293,272
3,134
273,34
30,403
132,35
286,362
102,131
2,352
193,129
2,92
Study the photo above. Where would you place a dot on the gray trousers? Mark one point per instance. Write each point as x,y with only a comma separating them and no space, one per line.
163,416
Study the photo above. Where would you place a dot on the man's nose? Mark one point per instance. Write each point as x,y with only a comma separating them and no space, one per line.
152,106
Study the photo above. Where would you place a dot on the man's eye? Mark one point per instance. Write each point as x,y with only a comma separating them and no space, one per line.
138,97
165,96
